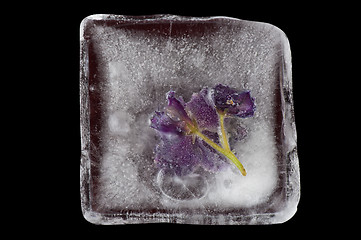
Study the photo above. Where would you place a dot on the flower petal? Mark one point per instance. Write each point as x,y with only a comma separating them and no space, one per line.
163,123
222,95
177,154
201,108
239,104
243,105
175,109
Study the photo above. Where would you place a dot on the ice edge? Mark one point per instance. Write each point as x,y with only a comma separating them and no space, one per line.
289,134
161,16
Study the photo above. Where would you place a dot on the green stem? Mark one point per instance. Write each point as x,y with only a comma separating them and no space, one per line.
224,138
225,152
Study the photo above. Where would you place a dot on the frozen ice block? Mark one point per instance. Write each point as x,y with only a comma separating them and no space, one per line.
128,65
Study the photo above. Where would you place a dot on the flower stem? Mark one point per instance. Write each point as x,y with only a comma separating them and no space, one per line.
225,152
224,138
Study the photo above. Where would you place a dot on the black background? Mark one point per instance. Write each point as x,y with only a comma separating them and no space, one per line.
304,26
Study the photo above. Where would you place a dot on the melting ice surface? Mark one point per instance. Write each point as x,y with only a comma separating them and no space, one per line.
127,66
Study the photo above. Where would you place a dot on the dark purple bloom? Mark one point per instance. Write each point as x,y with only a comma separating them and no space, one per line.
243,105
222,95
177,152
189,132
228,100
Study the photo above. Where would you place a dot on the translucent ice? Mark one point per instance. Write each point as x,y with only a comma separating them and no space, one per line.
128,64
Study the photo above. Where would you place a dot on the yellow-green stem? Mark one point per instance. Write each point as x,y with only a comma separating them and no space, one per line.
224,138
225,152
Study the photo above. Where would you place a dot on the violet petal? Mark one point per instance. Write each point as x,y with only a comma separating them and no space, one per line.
244,104
202,109
239,104
222,95
163,123
177,154
175,109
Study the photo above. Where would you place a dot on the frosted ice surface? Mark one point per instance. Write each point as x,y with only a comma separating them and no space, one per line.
128,64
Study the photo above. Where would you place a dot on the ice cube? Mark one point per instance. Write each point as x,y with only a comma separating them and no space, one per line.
128,64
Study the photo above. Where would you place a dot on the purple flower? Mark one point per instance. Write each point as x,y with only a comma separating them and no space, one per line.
181,153
193,135
228,100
